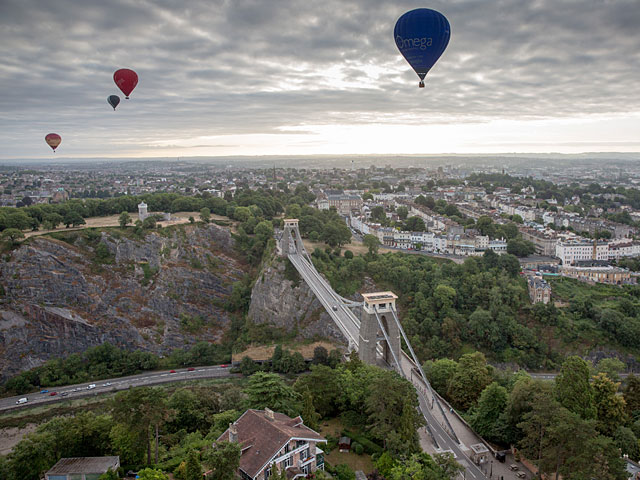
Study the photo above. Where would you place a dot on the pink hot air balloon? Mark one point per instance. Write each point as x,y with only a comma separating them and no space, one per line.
53,140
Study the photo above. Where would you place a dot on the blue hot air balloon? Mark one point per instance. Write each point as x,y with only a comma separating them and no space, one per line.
113,100
421,36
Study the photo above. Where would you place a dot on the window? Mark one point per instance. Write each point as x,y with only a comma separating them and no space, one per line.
300,443
267,473
287,462
286,448
304,454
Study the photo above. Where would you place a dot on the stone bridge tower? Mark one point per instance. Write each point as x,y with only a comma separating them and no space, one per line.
381,303
289,236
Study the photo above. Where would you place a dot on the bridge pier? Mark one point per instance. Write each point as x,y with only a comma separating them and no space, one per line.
376,306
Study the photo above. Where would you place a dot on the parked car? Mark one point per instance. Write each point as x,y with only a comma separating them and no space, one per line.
22,400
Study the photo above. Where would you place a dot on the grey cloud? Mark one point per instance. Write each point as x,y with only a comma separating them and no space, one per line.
250,66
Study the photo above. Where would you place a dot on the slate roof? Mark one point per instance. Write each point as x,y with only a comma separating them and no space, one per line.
261,437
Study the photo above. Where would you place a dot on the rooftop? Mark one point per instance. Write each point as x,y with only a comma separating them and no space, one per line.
262,436
73,465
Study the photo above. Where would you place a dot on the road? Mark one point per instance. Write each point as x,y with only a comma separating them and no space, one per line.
72,392
343,317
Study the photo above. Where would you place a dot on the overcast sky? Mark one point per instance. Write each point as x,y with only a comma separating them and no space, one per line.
253,77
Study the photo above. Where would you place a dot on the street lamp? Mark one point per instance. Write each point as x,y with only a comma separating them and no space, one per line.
491,473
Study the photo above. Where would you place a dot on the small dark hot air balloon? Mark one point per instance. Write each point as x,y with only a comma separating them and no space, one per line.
126,80
422,35
53,140
113,100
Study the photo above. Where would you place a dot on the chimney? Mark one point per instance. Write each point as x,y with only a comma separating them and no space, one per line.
269,413
233,433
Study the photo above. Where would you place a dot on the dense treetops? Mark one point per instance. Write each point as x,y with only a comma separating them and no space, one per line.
567,425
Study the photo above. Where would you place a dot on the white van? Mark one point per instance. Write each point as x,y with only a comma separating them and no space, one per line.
22,400
91,387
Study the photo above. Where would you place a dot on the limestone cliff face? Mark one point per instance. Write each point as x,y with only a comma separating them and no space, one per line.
157,293
290,304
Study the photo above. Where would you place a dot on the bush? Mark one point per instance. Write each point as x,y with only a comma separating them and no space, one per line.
357,448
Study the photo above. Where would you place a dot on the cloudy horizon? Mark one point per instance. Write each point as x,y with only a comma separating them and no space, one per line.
249,77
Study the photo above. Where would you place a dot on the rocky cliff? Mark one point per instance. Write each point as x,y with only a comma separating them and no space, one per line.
165,290
282,299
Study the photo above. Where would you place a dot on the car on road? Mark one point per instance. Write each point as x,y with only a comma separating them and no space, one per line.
53,394
190,369
44,391
224,365
108,384
22,400
91,387
335,308
64,394
172,371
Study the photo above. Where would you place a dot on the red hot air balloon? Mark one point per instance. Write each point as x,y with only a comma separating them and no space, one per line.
53,140
126,80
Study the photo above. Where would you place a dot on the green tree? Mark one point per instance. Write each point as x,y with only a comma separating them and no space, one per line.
627,442
415,224
470,379
12,235
402,212
572,387
631,395
320,355
205,215
309,414
440,372
193,469
323,383
520,248
372,243
269,390
486,416
124,219
143,409
610,408
73,218
378,215
224,460
248,367
152,474
109,475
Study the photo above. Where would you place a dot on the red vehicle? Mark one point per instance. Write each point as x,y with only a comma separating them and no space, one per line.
53,394
172,371
224,365
190,369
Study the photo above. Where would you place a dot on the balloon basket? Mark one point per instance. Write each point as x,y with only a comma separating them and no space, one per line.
421,85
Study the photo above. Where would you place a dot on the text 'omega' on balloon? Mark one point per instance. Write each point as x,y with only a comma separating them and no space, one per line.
422,35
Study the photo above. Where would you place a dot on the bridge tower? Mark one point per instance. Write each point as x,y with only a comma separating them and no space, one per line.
378,324
289,236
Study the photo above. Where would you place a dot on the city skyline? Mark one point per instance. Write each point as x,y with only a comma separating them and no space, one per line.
293,78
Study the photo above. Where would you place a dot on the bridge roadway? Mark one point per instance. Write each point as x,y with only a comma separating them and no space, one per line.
343,317
349,325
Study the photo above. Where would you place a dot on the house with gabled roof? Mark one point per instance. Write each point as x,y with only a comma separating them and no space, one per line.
267,438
